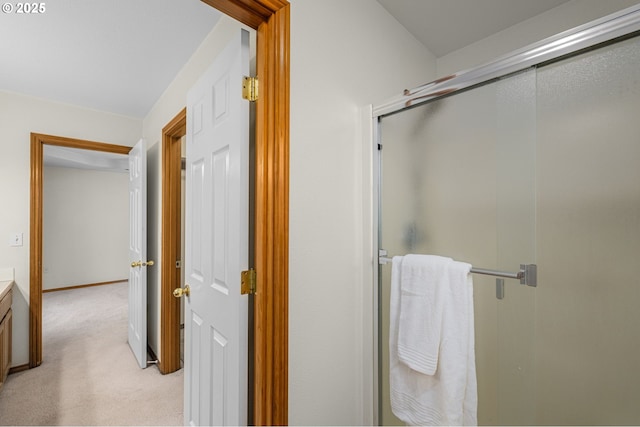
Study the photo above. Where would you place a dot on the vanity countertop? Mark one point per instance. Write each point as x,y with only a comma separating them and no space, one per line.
5,287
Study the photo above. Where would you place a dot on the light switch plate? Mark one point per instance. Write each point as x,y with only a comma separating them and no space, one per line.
15,239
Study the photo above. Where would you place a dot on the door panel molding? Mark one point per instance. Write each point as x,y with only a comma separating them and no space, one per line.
271,304
38,141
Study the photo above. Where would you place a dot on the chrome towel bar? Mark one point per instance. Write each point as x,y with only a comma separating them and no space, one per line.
528,273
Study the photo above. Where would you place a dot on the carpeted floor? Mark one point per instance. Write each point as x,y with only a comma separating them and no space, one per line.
89,375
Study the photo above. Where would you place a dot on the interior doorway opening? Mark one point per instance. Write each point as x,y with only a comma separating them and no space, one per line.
38,142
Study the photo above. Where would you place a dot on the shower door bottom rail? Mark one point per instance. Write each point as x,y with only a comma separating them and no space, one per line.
528,273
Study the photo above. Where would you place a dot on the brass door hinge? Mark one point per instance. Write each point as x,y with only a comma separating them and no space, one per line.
250,88
248,282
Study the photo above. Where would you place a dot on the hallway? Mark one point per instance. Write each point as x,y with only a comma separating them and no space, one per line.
89,375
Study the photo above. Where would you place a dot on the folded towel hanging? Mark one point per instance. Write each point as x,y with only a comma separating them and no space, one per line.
431,341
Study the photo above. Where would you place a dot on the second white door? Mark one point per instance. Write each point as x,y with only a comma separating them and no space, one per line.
137,330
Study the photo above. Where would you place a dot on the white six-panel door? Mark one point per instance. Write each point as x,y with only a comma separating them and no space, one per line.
216,222
137,330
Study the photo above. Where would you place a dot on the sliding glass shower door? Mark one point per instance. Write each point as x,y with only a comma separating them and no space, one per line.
540,167
588,216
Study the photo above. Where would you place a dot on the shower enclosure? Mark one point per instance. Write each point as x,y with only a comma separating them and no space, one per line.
534,163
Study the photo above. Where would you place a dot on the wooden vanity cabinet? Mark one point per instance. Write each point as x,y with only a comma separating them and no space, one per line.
5,334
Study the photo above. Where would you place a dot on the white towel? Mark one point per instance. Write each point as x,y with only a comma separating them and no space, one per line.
423,289
431,341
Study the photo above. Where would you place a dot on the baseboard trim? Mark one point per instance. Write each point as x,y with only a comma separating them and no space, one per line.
66,288
19,368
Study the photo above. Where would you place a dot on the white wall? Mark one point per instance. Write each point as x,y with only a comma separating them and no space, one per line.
19,116
547,24
85,227
344,56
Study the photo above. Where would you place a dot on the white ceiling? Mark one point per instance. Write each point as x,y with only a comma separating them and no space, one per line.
76,158
444,26
110,55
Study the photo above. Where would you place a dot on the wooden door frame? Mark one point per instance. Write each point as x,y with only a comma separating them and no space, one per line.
38,141
172,133
271,303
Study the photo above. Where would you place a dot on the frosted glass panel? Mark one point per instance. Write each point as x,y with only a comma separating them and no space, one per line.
588,232
439,197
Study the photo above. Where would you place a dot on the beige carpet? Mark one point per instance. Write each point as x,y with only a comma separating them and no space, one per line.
89,375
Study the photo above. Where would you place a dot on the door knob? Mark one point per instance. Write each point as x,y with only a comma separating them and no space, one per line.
142,263
179,292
